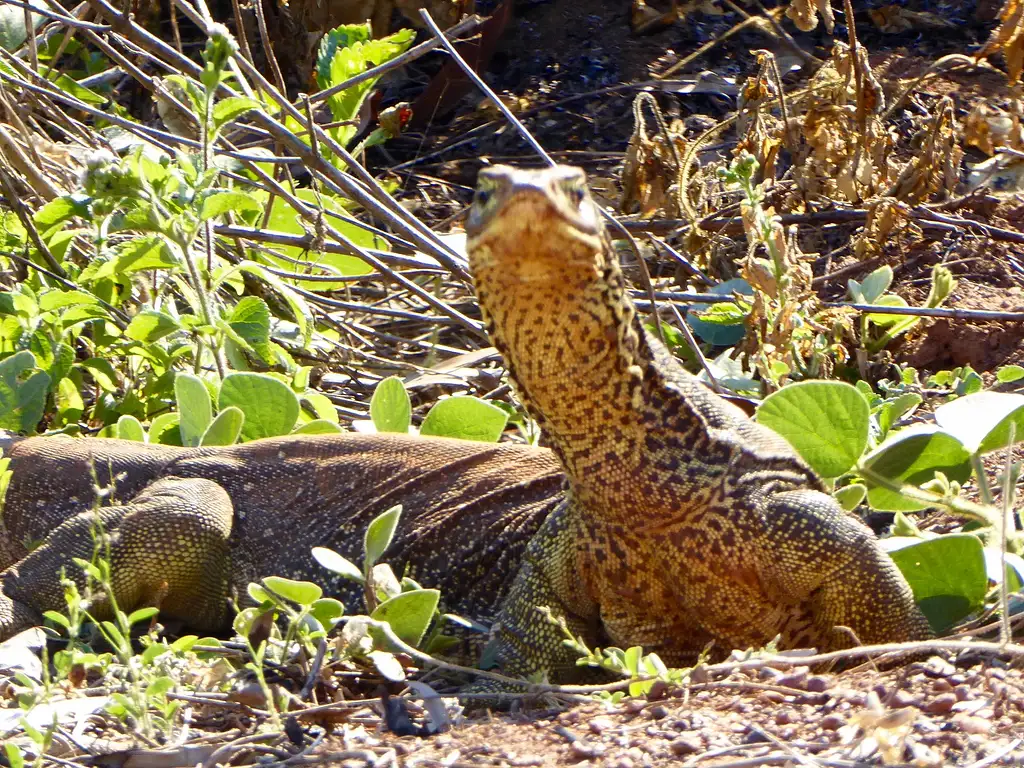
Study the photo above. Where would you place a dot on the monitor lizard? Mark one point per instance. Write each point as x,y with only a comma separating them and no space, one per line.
684,523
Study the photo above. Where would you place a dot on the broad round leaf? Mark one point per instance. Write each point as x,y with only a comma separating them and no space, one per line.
825,421
409,613
130,428
269,405
982,421
468,418
318,427
195,407
850,496
913,456
332,561
301,592
225,429
390,408
379,533
947,575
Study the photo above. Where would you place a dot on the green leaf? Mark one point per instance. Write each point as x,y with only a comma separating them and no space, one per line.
150,325
947,575
390,407
409,613
269,405
318,427
721,324
219,203
163,430
302,592
379,534
225,429
1009,374
825,421
195,407
336,563
22,394
250,319
982,421
142,614
15,757
913,456
51,300
57,211
130,428
872,287
893,411
299,307
102,372
851,496
465,417
327,610
284,218
387,665
232,108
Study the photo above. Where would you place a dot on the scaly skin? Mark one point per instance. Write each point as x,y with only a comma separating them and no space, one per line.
686,523
192,527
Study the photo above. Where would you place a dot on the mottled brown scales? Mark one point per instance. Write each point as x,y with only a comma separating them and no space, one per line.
194,526
686,522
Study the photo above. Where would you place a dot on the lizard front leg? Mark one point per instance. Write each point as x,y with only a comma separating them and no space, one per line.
526,643
169,545
817,553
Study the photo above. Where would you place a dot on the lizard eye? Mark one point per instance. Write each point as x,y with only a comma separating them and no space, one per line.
574,190
482,197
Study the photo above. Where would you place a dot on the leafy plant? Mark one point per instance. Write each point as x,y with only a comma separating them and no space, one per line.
849,439
464,417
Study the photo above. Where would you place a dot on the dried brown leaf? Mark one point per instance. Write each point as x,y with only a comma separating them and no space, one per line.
804,13
1008,39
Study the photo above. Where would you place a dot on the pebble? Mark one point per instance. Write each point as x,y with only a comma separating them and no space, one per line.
832,722
795,679
585,750
687,744
903,699
941,704
658,711
818,684
963,692
942,685
937,666
601,724
972,724
784,717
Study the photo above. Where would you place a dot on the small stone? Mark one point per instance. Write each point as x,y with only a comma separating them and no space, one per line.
658,711
771,697
795,679
784,716
635,706
818,684
586,750
600,724
831,722
755,736
963,692
937,666
972,724
687,744
941,704
942,685
903,699
681,724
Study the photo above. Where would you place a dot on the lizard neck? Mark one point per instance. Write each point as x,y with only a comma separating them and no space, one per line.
580,362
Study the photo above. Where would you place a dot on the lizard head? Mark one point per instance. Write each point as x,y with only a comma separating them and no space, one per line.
533,224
